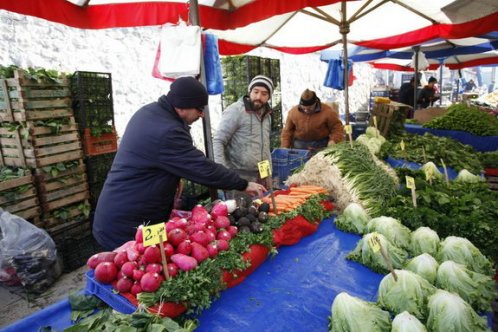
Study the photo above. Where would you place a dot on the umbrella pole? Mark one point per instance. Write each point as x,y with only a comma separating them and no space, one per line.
344,29
206,120
441,63
416,48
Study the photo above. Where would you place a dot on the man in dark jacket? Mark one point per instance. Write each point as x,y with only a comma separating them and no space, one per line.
155,152
427,95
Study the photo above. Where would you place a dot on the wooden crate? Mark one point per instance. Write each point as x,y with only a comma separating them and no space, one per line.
24,204
54,224
492,182
390,117
24,99
62,191
37,147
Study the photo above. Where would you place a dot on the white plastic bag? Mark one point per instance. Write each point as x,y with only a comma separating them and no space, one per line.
180,50
27,254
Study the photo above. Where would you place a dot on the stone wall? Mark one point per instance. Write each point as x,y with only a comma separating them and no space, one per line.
128,54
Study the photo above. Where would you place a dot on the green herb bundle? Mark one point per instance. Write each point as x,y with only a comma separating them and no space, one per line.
466,118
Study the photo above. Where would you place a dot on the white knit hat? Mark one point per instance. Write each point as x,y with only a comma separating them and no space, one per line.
263,81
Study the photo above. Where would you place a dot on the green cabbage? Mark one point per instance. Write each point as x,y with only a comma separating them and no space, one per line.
373,143
350,314
424,240
431,171
373,132
449,312
364,254
410,292
404,322
475,288
461,250
392,229
425,266
353,219
467,177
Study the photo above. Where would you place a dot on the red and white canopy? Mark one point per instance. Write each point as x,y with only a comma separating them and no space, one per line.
293,26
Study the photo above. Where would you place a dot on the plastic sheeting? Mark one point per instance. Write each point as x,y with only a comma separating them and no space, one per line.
294,290
479,143
400,163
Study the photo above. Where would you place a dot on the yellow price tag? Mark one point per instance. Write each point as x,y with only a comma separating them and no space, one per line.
151,234
264,169
348,129
429,173
374,243
402,145
410,182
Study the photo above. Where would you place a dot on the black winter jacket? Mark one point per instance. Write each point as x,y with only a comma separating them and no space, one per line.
155,152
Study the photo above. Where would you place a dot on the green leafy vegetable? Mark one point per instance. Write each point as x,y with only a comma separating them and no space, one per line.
424,265
424,240
392,229
354,219
461,250
404,322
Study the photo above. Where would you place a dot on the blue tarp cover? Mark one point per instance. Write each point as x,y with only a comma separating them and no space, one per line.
479,143
294,290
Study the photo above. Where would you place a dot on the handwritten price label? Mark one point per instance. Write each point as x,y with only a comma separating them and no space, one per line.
348,129
264,169
410,182
374,243
402,145
151,234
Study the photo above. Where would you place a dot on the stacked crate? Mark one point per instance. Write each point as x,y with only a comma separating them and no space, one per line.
42,135
93,108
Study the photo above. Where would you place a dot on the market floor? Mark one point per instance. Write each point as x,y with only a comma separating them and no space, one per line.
16,304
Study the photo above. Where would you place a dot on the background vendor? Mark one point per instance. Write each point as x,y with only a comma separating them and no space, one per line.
311,125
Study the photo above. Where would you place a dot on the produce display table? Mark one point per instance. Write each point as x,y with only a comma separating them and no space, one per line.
479,143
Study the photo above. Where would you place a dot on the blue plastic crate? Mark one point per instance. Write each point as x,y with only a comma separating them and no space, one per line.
106,294
285,161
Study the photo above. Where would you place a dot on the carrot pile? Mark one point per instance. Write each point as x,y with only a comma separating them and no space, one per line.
294,199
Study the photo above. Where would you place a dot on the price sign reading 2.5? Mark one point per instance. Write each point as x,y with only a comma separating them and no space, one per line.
152,234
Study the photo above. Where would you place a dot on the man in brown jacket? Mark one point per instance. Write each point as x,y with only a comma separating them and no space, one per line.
311,125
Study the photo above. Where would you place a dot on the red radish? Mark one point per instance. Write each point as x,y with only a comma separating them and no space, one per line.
223,235
154,268
120,258
150,282
128,268
185,247
211,228
135,289
132,253
199,252
139,234
200,237
176,236
124,285
168,249
105,256
106,272
222,245
219,209
152,254
199,214
184,262
182,223
120,275
232,230
171,225
142,262
211,235
138,274
140,247
212,249
172,269
222,222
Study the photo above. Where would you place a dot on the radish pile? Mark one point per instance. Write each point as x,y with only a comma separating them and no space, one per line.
133,268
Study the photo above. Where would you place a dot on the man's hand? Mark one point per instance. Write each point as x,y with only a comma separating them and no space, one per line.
255,188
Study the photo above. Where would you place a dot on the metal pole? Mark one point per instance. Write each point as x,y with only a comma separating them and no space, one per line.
344,29
417,49
206,120
441,64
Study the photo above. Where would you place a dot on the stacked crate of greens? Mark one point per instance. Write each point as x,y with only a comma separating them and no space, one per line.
94,112
238,72
38,132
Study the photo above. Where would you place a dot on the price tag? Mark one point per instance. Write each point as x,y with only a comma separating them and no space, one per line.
410,182
429,173
348,129
264,169
374,243
402,145
151,234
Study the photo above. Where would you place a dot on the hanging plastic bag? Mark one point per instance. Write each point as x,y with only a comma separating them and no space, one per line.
212,64
28,255
180,50
335,74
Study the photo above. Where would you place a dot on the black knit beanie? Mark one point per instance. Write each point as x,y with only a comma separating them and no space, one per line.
187,92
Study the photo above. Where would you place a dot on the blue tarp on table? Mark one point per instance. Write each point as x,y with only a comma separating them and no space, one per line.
479,143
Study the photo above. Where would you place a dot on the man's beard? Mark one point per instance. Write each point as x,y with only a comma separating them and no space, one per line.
256,107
